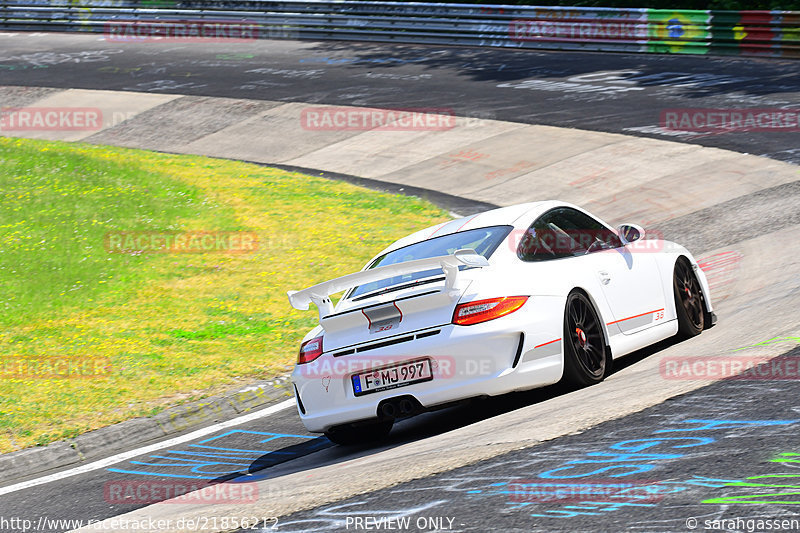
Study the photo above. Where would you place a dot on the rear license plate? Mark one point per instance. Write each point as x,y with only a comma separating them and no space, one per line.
392,377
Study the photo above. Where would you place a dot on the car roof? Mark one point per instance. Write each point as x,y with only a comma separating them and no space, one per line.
515,215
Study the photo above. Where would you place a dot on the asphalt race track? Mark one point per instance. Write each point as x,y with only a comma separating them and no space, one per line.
639,451
620,93
688,466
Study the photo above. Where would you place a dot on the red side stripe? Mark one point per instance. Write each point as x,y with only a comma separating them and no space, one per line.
635,316
545,344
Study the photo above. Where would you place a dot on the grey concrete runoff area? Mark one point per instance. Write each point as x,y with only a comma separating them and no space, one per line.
738,213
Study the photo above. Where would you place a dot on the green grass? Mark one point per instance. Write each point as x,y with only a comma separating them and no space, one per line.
174,326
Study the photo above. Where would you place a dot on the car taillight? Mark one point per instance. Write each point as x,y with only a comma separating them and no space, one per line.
484,310
310,350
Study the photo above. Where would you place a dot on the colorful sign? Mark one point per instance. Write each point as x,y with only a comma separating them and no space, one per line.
679,32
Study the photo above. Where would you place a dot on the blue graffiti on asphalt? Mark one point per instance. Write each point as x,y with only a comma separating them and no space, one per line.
623,459
218,456
628,469
626,495
644,460
651,492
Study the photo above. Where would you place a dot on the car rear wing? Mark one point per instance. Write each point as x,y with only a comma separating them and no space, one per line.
319,294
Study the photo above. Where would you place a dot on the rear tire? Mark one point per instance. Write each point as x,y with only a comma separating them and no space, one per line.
586,358
690,304
362,433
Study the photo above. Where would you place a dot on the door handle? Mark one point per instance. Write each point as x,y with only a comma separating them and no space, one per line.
605,279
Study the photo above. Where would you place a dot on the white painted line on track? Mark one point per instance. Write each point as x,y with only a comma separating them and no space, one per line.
124,456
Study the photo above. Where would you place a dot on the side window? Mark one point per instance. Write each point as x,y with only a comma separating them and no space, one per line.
544,240
590,234
565,232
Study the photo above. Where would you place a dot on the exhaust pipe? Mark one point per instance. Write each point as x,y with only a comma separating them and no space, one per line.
406,406
399,407
388,410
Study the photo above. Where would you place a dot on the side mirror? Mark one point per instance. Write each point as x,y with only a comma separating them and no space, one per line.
629,233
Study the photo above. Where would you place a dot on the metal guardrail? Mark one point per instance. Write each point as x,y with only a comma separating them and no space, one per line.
750,33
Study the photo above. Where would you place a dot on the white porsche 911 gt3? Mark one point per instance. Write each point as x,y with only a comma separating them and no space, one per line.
509,299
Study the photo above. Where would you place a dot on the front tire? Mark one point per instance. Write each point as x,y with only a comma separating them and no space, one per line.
690,305
352,434
585,352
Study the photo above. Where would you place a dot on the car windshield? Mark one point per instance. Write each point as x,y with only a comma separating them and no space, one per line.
483,240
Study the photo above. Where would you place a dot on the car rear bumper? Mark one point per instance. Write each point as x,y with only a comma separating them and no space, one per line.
467,361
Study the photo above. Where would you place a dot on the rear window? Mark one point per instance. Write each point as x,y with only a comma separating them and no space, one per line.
483,240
